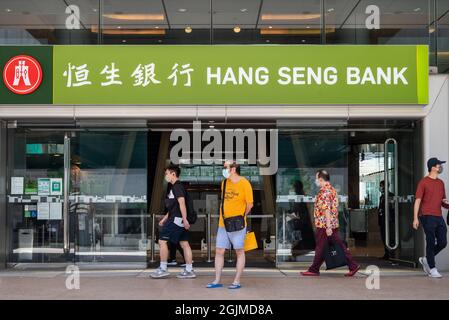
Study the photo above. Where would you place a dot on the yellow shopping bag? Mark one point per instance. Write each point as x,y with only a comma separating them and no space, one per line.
250,241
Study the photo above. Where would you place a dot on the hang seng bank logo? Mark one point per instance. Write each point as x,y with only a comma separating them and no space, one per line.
22,74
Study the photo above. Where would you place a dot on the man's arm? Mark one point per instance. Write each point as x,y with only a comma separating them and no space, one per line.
420,190
445,203
164,218
328,219
415,213
249,198
249,206
182,207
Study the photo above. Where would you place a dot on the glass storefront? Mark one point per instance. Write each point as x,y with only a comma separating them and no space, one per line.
116,187
24,22
106,216
358,157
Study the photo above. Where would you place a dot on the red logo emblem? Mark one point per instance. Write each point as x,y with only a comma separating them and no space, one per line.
22,74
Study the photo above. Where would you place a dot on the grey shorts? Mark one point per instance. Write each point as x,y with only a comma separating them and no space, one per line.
225,239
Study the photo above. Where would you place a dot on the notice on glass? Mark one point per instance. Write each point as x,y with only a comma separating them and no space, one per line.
43,211
56,186
16,185
55,210
43,187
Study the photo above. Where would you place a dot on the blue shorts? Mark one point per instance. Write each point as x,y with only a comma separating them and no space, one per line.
225,239
173,233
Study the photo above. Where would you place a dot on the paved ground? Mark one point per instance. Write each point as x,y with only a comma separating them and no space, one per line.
258,284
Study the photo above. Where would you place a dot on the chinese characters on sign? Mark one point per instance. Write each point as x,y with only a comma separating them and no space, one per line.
143,75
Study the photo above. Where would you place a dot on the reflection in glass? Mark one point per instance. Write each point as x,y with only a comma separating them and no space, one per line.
109,196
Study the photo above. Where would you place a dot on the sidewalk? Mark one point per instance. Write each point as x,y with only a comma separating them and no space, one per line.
257,284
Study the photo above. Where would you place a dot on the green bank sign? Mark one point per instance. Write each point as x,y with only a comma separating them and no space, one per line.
237,75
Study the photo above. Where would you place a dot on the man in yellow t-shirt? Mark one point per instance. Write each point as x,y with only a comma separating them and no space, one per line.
238,200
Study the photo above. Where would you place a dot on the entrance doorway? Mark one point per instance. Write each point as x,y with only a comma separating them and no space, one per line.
113,183
203,183
360,156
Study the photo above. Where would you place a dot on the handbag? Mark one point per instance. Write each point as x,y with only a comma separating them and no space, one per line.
232,224
334,256
250,241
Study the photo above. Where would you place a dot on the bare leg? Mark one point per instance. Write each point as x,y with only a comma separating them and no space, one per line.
240,264
187,251
219,263
163,250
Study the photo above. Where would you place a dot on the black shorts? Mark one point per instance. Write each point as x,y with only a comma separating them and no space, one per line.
173,233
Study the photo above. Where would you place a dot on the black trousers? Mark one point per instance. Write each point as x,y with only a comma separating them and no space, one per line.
436,236
173,247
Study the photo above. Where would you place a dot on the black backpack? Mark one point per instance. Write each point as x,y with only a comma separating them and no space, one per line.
192,216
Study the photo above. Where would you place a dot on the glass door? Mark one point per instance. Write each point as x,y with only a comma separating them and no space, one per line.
37,216
108,196
101,175
399,235
374,170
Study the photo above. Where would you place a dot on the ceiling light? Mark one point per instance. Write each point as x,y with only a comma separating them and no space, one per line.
330,9
8,10
417,9
237,29
292,32
182,10
243,10
188,29
129,31
270,27
310,16
94,10
135,16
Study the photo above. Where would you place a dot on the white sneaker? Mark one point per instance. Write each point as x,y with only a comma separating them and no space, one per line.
186,274
434,273
425,265
159,274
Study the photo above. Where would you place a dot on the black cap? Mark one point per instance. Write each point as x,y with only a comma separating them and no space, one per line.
432,162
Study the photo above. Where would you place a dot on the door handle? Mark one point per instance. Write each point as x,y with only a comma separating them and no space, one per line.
387,198
66,192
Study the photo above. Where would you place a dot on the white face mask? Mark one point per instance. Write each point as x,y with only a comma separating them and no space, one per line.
226,173
317,182
167,178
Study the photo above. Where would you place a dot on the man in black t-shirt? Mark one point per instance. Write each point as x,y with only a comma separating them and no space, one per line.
174,225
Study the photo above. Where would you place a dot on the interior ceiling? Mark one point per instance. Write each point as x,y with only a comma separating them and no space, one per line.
252,14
